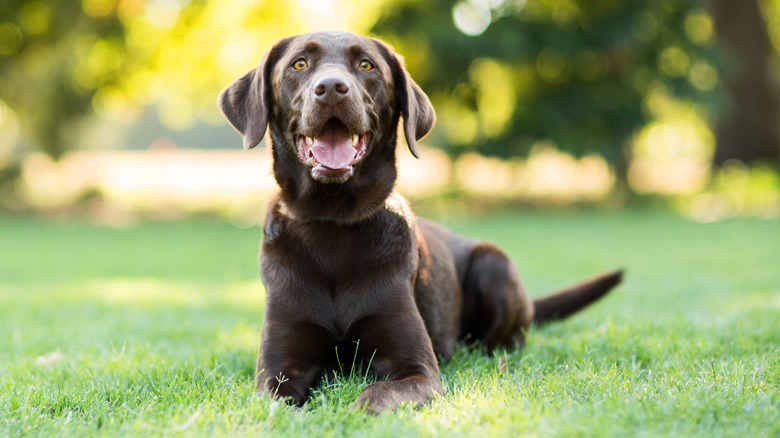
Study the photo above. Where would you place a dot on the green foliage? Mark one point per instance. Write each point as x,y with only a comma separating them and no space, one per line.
54,56
574,72
62,62
153,331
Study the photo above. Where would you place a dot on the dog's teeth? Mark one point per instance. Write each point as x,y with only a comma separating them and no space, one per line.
309,141
355,139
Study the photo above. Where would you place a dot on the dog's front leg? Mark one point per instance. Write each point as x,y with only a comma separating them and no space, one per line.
290,359
404,354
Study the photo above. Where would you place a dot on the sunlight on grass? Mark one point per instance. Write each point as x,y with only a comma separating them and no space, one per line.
754,301
116,188
152,292
163,340
548,175
113,188
735,190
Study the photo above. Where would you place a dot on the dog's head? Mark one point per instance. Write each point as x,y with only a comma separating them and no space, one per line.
331,98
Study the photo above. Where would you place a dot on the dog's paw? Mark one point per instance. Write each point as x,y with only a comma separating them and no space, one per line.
375,399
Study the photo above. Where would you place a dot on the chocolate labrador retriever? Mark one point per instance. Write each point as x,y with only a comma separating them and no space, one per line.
349,270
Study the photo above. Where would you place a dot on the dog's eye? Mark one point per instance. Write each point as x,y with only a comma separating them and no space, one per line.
300,64
366,66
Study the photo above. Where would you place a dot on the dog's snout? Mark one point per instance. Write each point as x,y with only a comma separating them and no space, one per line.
331,89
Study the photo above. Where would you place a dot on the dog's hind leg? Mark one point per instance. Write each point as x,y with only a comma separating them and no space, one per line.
496,308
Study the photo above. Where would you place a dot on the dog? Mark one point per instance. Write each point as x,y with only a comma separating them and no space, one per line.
349,270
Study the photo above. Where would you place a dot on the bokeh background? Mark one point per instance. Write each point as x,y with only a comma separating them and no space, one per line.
108,107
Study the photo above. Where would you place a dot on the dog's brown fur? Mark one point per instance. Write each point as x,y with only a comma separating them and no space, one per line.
346,265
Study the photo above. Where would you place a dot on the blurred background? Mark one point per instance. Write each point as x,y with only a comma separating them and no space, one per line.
108,107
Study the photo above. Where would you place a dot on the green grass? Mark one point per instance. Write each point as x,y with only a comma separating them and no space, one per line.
153,331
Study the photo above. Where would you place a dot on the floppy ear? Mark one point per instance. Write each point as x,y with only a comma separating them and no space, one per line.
418,114
416,109
244,104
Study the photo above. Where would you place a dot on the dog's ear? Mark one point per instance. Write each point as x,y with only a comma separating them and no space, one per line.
418,114
245,104
416,109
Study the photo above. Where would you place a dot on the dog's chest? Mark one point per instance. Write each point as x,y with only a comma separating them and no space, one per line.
348,253
333,275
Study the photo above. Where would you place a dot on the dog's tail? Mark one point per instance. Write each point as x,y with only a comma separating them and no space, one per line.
561,304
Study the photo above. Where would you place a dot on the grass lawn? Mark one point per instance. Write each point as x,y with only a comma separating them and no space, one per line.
153,331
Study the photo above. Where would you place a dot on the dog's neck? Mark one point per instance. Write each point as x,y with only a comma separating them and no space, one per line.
360,197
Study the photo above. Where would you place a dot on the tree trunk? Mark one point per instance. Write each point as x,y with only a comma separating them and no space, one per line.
746,129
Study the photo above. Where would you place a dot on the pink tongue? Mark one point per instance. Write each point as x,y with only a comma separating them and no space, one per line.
333,147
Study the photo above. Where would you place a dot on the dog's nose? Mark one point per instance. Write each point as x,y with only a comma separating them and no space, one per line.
331,89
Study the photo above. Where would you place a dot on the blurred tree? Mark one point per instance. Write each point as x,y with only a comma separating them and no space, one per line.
505,75
54,56
747,130
62,61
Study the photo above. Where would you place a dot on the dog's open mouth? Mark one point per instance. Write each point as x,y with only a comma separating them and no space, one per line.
333,152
